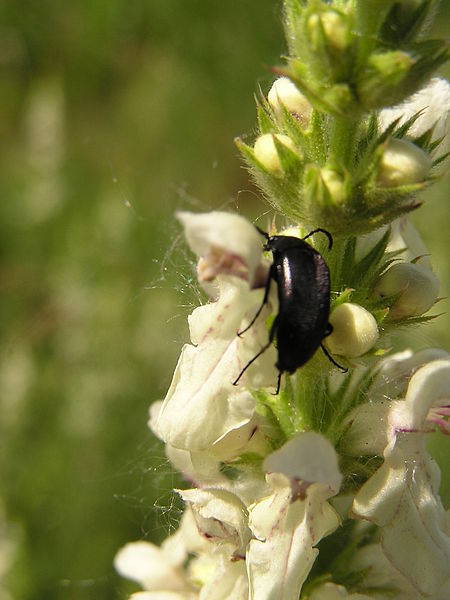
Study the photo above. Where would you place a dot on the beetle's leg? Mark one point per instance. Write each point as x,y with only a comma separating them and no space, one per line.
327,233
263,349
251,361
331,359
266,297
277,391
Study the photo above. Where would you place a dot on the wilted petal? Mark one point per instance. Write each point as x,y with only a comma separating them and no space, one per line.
202,405
221,517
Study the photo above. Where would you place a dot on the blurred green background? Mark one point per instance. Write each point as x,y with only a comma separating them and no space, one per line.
114,114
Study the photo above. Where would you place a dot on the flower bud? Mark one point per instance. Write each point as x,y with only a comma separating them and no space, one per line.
418,286
284,93
331,24
402,163
381,81
267,154
335,184
355,330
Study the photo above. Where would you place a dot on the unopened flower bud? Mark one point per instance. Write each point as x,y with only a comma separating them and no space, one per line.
335,27
417,285
335,184
267,154
355,330
284,93
402,163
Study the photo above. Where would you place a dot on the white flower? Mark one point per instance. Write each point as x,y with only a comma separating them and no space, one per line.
267,154
226,244
355,330
434,102
367,429
289,522
161,569
221,517
284,93
417,286
405,237
402,496
411,277
202,406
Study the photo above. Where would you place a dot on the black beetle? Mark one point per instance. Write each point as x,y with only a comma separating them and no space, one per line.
303,282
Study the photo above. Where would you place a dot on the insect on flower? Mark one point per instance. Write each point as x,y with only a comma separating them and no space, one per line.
303,284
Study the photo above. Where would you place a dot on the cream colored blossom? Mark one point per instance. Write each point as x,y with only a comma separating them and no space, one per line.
225,243
402,496
434,102
289,522
202,404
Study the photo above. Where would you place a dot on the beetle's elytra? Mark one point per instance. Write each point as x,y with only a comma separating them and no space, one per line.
303,284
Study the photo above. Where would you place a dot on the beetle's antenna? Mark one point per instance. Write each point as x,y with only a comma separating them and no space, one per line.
261,231
331,359
327,233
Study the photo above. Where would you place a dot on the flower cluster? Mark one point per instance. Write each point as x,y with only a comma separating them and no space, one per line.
325,489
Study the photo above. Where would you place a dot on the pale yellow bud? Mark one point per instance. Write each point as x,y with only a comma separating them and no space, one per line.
284,93
418,286
403,163
355,330
335,27
335,184
266,151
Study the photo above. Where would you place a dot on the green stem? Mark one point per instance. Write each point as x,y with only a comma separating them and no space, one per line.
343,141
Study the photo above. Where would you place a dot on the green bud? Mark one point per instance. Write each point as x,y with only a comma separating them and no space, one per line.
402,163
382,77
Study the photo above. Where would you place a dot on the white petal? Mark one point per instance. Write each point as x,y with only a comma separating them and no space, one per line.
429,386
146,564
401,497
308,457
233,236
163,596
202,405
286,531
405,237
227,582
433,100
331,591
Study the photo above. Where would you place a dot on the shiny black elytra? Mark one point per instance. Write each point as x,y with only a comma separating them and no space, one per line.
303,283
